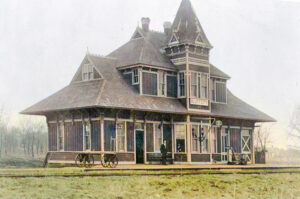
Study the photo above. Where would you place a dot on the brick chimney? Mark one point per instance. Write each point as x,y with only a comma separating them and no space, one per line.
167,27
145,23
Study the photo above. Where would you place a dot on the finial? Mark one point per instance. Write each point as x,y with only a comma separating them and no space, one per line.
87,50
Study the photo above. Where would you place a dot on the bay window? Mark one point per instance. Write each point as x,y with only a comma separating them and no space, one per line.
180,138
199,85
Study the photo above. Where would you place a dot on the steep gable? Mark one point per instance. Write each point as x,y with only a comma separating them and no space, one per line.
187,26
87,71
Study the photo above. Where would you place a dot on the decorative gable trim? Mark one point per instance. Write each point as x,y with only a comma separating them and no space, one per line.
199,39
173,39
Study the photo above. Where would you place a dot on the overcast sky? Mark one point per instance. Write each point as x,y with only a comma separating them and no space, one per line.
256,42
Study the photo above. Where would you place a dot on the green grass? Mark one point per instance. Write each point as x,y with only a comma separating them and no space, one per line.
186,186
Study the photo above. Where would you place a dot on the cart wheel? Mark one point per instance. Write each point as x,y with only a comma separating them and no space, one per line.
104,161
113,163
79,160
89,161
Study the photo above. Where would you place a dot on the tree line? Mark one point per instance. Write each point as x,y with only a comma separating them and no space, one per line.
27,138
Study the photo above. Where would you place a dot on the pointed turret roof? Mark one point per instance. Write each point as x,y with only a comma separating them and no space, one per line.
187,27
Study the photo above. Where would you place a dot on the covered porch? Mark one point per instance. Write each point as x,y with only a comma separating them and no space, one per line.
136,138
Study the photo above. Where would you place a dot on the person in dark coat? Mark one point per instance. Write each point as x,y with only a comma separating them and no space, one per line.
163,151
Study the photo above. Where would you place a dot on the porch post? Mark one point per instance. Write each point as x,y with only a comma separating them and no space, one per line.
134,139
188,139
102,131
252,147
145,140
210,142
173,137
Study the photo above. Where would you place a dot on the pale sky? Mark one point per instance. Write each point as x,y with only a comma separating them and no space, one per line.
256,42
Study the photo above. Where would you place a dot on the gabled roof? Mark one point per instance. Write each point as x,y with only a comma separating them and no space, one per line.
187,27
144,50
114,92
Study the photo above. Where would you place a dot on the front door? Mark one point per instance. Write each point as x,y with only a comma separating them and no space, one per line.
139,149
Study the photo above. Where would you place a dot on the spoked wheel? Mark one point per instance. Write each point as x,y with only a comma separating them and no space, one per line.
113,163
108,160
84,160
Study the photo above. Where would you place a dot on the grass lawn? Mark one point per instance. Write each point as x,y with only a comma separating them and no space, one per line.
186,186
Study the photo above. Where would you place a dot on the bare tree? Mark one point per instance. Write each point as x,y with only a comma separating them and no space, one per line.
262,137
294,130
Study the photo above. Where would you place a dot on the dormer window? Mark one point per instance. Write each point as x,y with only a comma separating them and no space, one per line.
87,72
218,90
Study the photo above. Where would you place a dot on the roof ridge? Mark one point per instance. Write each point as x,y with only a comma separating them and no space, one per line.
101,56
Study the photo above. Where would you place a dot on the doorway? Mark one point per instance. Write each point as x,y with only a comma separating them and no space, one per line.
139,148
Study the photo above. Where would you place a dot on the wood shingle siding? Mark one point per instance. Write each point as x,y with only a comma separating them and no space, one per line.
52,137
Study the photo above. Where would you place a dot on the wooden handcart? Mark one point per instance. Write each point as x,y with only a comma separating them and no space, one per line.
87,159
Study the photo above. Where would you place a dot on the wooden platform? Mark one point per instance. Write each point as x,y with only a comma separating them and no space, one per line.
194,167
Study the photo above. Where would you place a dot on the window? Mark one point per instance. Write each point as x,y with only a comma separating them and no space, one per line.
86,137
180,136
194,85
200,141
204,139
195,138
212,89
225,140
87,72
204,86
149,83
171,86
221,92
135,76
181,84
109,135
158,135
162,84
121,137
214,143
61,137
199,85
